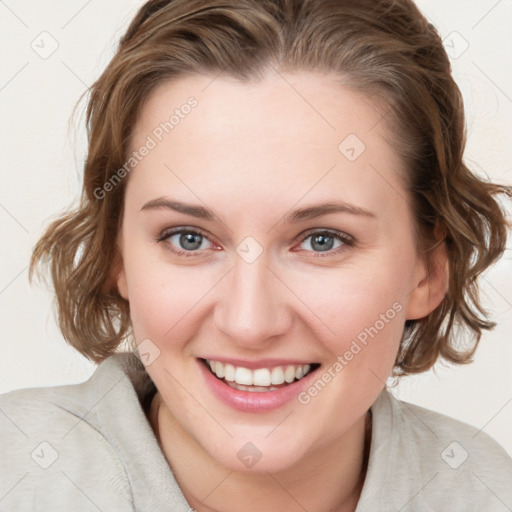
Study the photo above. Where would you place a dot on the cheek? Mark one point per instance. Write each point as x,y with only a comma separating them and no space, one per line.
165,299
359,309
365,314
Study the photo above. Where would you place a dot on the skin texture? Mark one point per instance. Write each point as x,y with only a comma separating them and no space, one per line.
252,153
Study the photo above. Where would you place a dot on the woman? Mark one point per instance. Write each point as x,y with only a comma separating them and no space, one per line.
276,216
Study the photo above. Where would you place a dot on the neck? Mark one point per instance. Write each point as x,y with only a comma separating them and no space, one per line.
330,479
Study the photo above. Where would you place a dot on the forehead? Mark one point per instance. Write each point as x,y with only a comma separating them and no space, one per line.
293,137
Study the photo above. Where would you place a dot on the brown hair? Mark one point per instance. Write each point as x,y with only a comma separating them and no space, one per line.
385,49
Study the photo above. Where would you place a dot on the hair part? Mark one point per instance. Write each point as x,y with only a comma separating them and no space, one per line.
385,50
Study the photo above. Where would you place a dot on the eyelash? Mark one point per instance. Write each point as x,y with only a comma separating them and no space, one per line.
347,240
168,233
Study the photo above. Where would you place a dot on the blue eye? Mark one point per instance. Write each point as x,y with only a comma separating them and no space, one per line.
327,241
184,242
189,242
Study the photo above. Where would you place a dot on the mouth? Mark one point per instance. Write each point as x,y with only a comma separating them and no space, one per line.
259,380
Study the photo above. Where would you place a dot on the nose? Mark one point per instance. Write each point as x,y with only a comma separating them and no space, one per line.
251,310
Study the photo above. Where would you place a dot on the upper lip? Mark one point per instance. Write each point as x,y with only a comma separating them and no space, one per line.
260,363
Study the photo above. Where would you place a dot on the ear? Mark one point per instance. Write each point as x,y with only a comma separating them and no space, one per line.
432,283
122,286
117,279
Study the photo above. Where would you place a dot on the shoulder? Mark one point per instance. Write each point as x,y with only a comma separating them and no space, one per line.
53,450
435,462
420,422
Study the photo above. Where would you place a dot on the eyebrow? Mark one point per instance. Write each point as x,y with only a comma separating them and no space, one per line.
188,209
294,217
312,212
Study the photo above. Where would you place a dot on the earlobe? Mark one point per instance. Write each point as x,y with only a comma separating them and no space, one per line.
118,272
432,284
116,279
122,287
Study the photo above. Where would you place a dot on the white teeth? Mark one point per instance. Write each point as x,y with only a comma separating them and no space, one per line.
289,374
301,371
260,389
219,369
229,371
261,377
243,376
277,375
264,378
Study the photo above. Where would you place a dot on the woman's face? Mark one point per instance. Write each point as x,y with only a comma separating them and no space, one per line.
267,228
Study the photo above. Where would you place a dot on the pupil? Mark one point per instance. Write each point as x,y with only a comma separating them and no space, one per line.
323,243
189,241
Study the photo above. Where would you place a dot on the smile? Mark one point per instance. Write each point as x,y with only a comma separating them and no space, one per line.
260,389
261,379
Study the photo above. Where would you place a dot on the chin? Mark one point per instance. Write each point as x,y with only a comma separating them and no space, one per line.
255,454
254,461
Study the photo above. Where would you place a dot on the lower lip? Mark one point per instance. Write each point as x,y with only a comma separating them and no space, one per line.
253,401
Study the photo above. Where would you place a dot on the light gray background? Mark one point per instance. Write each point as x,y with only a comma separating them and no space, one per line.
41,157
